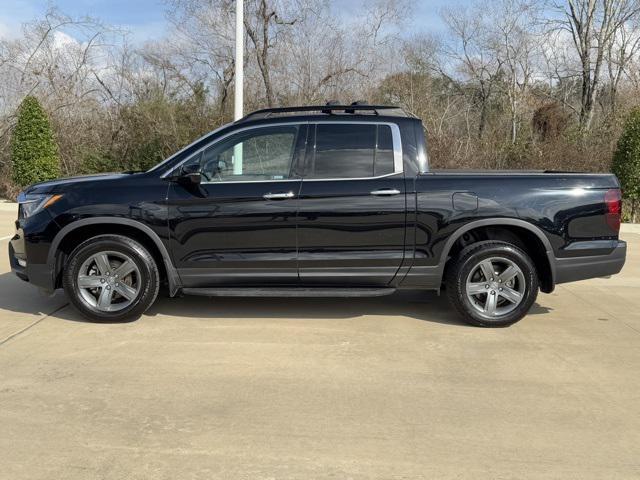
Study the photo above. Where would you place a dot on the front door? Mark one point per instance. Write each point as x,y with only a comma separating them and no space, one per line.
352,211
238,227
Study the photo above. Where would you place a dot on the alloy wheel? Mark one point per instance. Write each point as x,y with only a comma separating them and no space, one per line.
109,281
495,286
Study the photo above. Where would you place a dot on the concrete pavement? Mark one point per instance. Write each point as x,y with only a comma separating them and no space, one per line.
385,388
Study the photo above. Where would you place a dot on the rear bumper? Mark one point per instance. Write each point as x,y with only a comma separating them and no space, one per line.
580,268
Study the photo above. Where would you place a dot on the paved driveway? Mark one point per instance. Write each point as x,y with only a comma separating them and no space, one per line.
383,388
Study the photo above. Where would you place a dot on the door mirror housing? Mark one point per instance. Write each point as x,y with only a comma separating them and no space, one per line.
189,175
191,178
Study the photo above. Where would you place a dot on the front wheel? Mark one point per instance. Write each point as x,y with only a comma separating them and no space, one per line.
492,284
111,278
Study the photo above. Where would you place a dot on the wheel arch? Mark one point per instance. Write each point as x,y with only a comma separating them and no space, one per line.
86,228
545,261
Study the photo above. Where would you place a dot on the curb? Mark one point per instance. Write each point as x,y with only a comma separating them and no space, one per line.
8,207
630,228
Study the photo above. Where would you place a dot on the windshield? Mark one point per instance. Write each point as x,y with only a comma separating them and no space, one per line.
167,160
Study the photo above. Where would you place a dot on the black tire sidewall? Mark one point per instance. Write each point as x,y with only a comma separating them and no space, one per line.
468,259
149,277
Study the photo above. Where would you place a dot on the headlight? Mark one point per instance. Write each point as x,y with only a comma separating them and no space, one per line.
33,203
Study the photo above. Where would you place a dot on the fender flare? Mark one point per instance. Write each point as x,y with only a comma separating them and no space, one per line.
172,274
496,222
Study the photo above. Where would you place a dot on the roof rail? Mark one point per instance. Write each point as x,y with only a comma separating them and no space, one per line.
329,109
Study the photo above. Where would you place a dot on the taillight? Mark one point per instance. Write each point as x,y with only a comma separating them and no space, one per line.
613,201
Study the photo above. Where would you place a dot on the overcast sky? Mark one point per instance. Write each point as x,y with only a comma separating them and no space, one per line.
145,18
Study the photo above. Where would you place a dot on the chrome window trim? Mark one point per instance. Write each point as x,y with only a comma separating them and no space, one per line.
424,161
398,163
252,181
351,178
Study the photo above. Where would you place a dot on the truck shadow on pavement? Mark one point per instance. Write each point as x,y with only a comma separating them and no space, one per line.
424,306
21,297
416,305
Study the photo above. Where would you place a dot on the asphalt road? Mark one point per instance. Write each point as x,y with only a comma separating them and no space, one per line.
386,388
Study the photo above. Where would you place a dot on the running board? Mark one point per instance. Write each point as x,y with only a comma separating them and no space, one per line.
289,292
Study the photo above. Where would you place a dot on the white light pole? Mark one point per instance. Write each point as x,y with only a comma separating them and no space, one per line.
239,60
239,87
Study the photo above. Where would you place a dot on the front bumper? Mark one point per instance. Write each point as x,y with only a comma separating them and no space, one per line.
581,268
17,261
38,274
28,250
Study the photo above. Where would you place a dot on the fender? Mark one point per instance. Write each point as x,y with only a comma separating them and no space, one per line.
493,222
172,274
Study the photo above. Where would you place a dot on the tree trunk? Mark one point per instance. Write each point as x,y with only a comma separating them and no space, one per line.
587,94
586,115
266,78
483,118
262,48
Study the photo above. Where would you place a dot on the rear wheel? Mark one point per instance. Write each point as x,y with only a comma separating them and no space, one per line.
492,284
111,278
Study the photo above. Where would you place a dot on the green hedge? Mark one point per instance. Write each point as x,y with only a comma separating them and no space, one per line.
626,162
34,152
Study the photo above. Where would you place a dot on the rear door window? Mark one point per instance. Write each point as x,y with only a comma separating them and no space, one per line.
352,151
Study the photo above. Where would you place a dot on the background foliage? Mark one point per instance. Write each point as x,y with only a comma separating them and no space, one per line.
514,84
626,161
34,152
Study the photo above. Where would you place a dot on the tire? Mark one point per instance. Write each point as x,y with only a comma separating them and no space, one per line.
492,301
111,278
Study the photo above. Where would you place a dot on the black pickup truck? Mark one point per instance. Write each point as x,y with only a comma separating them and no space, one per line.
333,201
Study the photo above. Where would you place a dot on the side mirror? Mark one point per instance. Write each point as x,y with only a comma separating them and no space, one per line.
190,175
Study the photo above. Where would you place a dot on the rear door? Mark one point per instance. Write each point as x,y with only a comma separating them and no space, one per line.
352,211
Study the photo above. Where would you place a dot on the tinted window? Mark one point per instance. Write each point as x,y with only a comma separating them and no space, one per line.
352,151
257,154
384,152
344,151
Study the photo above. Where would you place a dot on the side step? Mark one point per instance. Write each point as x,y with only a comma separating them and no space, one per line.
289,292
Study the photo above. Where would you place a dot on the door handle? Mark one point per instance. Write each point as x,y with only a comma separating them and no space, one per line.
386,191
278,196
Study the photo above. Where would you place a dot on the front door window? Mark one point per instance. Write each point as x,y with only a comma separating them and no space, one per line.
261,154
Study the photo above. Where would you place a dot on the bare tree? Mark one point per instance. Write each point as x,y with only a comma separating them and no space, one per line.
514,41
470,53
263,24
201,47
621,50
485,88
593,25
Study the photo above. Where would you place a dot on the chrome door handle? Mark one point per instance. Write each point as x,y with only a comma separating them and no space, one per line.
386,191
278,196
